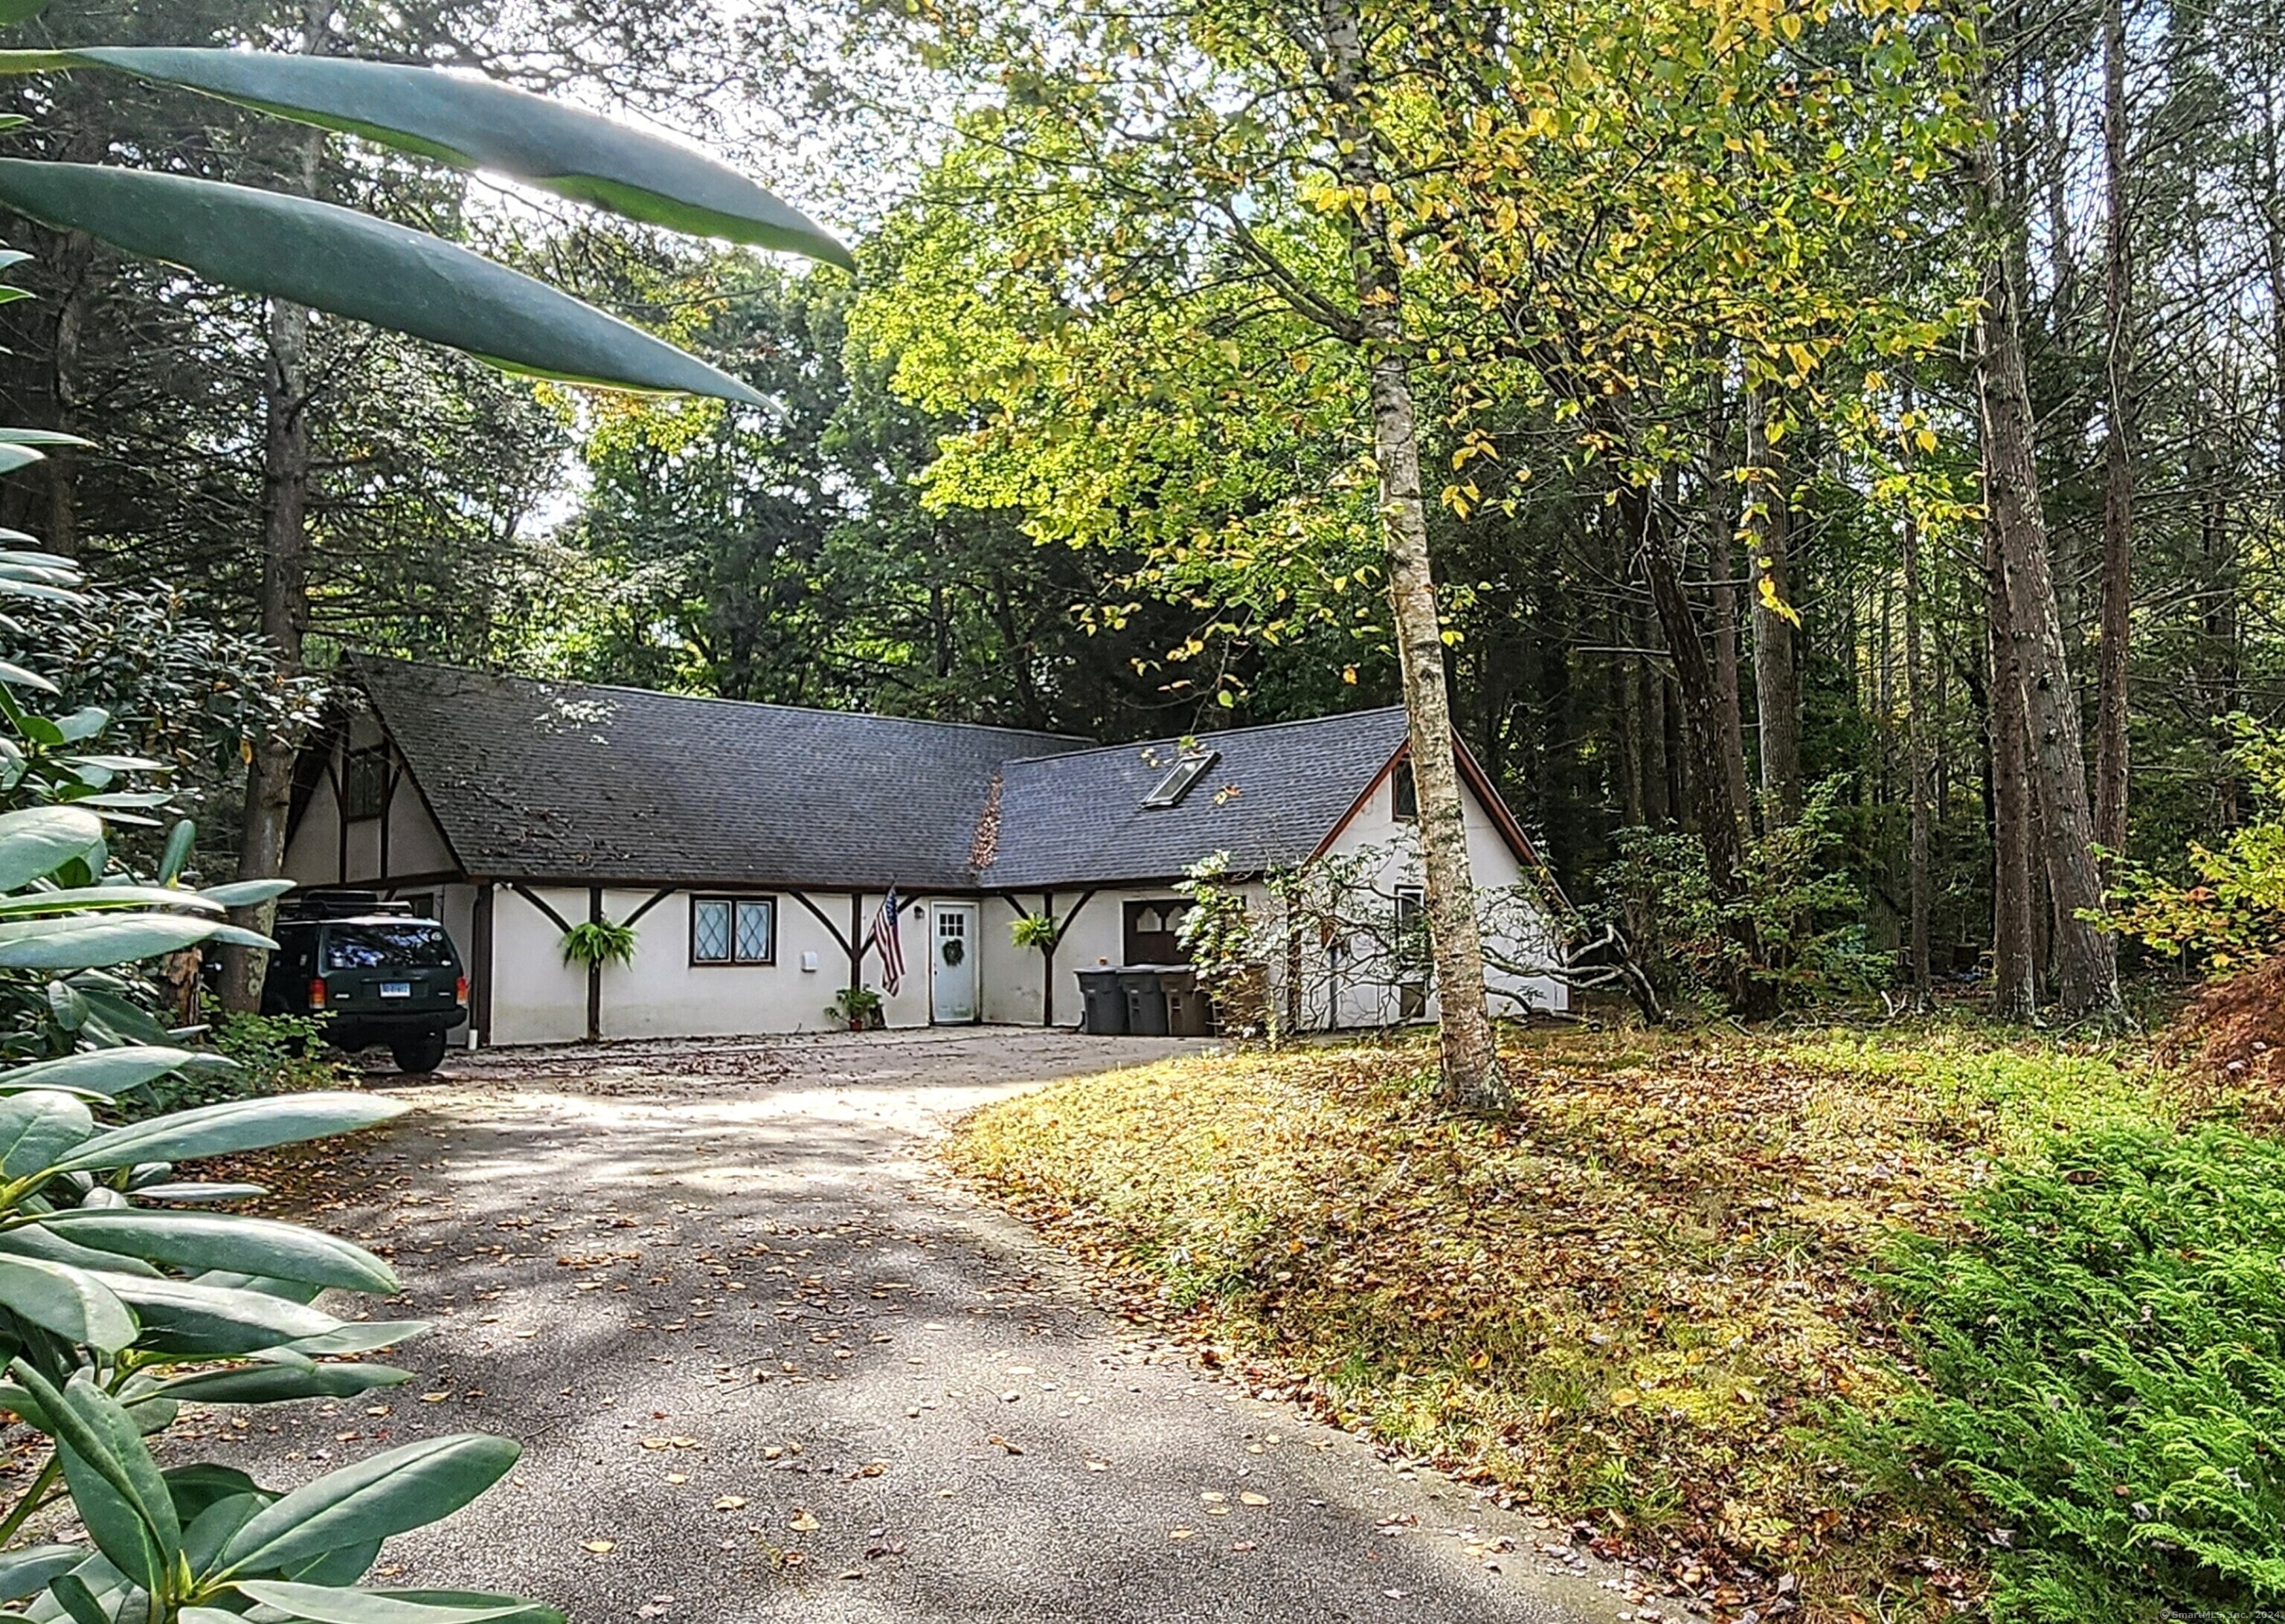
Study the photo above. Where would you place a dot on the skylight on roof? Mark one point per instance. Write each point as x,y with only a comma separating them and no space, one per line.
1180,780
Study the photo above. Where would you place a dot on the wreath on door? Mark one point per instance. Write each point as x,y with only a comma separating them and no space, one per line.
954,949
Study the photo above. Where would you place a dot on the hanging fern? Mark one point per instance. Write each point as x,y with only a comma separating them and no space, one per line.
599,942
1039,930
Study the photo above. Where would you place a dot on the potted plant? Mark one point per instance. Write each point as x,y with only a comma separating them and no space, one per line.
860,1006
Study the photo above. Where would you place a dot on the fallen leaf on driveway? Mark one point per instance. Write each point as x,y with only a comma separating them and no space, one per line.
1011,1447
1098,1465
1179,1533
601,1546
1251,1498
730,1502
803,1522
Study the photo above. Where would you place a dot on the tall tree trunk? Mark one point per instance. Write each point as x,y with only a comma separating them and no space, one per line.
62,532
2111,744
1468,1051
1744,991
285,622
1777,657
1660,806
2015,992
1721,568
284,573
1916,768
2085,957
1728,699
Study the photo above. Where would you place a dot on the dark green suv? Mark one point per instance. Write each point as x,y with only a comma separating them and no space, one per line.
373,972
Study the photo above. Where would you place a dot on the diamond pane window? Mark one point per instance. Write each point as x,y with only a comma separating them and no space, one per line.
734,929
709,932
756,932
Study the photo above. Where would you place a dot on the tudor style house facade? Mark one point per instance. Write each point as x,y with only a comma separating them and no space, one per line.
752,845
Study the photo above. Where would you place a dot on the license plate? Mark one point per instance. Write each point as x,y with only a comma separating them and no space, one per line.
397,989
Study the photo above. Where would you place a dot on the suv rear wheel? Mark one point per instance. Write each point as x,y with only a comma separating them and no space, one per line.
416,1052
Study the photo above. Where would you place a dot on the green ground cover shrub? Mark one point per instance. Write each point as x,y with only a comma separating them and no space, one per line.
274,1054
2106,1358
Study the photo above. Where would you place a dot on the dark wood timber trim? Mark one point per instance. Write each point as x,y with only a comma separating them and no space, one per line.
656,898
595,970
336,773
818,914
433,876
539,902
1048,958
393,776
480,955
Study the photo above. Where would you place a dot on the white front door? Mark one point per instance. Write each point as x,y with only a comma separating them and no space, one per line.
954,956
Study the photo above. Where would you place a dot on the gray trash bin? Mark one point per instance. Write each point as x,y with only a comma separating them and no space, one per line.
1106,1005
1186,1005
1146,1000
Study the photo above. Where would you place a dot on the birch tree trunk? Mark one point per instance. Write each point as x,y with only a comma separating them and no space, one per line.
1776,667
1468,1051
2086,956
2110,758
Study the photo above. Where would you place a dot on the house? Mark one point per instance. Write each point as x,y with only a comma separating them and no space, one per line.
751,846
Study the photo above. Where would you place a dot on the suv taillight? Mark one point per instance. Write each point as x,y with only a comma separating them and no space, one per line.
460,991
318,993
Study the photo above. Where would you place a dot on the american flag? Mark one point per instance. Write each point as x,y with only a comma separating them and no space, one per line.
892,939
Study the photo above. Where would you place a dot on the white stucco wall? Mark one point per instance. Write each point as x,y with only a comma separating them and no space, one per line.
539,999
1095,933
1494,865
314,854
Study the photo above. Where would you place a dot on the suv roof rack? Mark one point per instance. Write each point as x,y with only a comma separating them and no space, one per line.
335,904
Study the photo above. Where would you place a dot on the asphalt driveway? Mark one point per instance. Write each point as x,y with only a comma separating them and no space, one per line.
768,1362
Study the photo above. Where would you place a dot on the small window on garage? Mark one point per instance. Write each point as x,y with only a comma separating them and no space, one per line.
733,930
1152,934
365,783
1412,953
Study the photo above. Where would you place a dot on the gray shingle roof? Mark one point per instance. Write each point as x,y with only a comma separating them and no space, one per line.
557,781
1275,793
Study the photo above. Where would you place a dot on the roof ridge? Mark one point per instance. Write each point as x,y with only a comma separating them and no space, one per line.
1223,733
366,656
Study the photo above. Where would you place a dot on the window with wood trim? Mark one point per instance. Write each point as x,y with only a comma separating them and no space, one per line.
733,930
1412,955
365,783
1153,932
1403,794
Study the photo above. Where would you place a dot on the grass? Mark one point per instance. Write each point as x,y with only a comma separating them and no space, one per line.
1647,1298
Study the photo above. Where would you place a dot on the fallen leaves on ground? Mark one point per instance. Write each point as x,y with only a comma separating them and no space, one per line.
1639,1298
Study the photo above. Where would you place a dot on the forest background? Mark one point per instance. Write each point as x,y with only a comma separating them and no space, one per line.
1702,305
